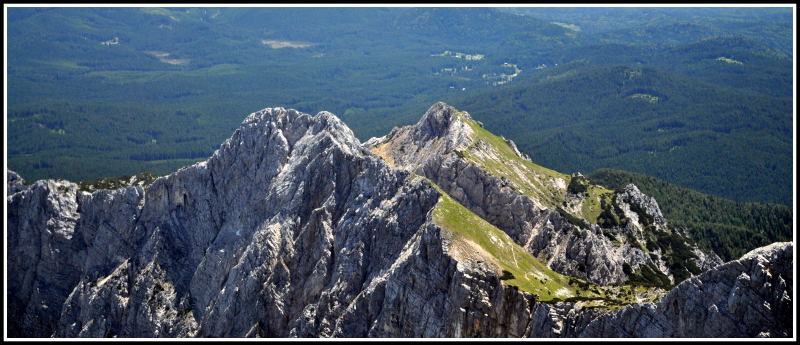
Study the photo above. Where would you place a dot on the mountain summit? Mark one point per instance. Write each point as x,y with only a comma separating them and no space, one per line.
293,228
579,229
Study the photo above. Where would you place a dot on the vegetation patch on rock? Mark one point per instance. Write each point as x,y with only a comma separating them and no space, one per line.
141,179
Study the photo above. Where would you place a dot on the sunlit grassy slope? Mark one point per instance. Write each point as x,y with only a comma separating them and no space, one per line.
496,156
518,267
528,273
591,207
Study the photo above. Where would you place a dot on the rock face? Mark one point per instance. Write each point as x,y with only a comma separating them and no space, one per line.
447,147
41,272
14,183
290,229
289,218
749,297
294,229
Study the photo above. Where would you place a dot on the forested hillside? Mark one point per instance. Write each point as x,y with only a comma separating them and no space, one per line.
108,91
96,92
728,228
723,141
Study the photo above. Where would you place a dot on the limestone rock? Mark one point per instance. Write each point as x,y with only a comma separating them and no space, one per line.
749,297
290,229
14,183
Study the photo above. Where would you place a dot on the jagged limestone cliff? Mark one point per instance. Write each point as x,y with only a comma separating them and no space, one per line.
294,229
290,229
749,297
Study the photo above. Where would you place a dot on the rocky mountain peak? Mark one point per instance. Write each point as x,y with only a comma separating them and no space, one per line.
748,297
486,173
442,130
325,127
292,119
439,121
276,234
643,205
14,182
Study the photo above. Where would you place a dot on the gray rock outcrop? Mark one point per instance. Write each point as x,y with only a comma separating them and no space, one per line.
749,297
14,183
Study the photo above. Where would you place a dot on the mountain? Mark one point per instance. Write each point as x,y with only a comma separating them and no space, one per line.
579,229
293,228
669,126
510,37
722,61
717,303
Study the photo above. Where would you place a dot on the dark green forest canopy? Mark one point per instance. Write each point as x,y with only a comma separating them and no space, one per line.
99,92
657,26
108,91
724,141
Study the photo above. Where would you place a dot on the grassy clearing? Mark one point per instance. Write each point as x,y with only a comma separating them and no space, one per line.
164,57
163,12
65,64
572,27
728,60
278,44
592,207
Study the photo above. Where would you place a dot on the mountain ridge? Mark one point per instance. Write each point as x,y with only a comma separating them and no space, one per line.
293,228
487,173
